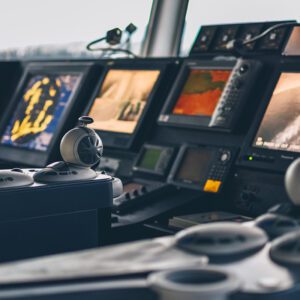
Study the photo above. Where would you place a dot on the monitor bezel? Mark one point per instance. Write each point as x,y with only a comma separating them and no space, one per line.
121,140
32,157
263,158
166,118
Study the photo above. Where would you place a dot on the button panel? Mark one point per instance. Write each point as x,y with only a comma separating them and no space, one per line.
202,168
235,93
218,171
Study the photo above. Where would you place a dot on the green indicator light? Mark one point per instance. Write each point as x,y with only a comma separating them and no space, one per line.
250,158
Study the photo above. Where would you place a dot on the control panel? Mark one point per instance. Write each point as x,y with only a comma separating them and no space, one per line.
213,39
203,168
149,171
138,194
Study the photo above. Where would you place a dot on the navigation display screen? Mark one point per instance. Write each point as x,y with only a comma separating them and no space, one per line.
280,126
195,165
38,112
201,92
122,99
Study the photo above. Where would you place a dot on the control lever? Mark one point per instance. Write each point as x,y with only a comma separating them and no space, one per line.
291,181
292,187
284,217
81,148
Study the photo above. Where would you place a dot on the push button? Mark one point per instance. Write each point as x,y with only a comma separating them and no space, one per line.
212,186
225,156
238,84
243,68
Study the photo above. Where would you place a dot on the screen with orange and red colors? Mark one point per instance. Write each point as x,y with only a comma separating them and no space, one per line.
201,92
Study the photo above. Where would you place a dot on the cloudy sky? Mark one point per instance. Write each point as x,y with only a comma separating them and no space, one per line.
35,22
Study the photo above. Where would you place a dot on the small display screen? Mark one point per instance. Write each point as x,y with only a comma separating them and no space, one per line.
280,126
39,110
195,165
150,158
201,92
122,99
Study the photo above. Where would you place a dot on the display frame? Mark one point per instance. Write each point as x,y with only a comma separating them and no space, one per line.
33,157
166,118
118,140
263,158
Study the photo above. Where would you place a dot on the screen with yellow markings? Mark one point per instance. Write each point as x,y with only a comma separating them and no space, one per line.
39,109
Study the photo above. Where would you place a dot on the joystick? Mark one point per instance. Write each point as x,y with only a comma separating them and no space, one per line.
292,187
81,148
284,217
291,181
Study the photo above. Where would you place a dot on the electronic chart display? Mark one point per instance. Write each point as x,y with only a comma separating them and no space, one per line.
201,92
43,101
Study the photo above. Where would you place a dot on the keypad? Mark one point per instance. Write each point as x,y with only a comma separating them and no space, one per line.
219,169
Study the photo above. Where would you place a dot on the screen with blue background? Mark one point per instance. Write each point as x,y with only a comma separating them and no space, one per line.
38,112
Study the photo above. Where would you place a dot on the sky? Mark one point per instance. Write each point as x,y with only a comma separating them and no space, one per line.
35,22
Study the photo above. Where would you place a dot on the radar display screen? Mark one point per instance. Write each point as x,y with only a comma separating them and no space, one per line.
194,166
201,92
280,126
122,99
39,109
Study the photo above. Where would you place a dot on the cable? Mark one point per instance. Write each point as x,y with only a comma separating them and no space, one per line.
88,46
113,37
238,43
115,50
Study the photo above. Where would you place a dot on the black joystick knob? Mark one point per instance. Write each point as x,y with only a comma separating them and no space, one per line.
85,120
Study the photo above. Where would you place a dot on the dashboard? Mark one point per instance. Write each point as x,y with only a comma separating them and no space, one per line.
211,131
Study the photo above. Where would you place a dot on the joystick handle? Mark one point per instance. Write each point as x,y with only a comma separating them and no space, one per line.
292,182
81,146
85,120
